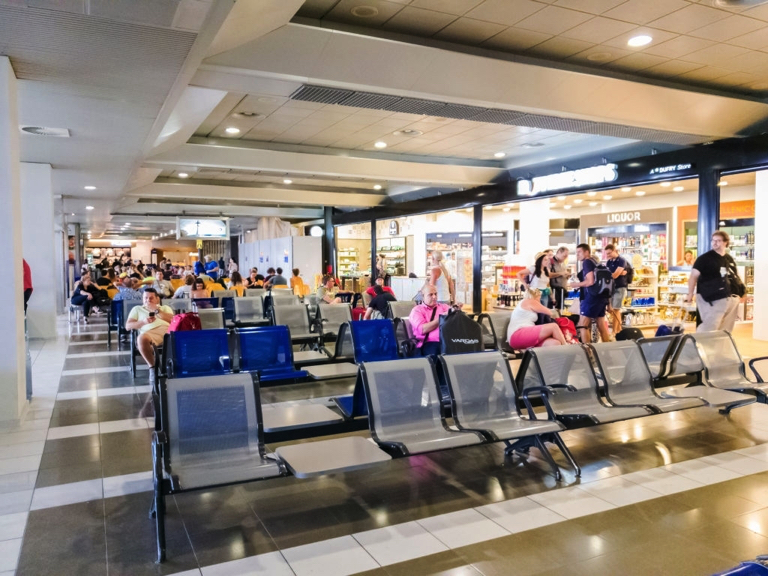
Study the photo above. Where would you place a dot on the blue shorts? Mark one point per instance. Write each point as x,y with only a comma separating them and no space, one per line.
593,307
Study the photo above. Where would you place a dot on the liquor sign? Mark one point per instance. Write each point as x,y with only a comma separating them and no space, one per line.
593,176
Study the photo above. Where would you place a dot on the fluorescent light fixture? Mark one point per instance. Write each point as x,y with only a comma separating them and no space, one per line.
640,193
380,144
232,130
127,223
723,183
639,40
678,188
89,207
626,189
561,197
607,197
287,181
72,214
665,184
499,154
591,193
377,187
183,175
89,187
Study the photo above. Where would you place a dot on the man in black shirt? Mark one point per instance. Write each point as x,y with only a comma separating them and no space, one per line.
717,304
379,305
618,267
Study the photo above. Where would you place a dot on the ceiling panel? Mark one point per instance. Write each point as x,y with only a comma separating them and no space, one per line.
469,31
645,11
507,12
591,6
678,47
598,30
380,10
516,39
417,21
561,47
553,20
728,28
689,18
456,7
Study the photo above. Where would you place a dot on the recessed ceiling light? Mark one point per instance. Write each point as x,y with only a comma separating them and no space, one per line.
89,207
171,231
552,204
607,197
723,183
127,223
232,130
639,40
72,214
567,206
600,57
364,11
90,187
469,209
593,203
591,193
499,154
626,189
510,205
532,145
678,188
487,207
379,144
578,201
640,193
506,209
183,175
377,187
665,184
561,198
287,181
407,132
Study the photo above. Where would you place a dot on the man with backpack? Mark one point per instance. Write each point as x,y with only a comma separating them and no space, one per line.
620,270
596,288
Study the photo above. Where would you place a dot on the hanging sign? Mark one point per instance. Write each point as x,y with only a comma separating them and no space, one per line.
593,176
394,228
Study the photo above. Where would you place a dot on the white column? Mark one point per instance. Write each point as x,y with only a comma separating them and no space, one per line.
534,230
39,248
13,402
760,324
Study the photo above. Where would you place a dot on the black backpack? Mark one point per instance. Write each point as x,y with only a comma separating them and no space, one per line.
603,285
630,272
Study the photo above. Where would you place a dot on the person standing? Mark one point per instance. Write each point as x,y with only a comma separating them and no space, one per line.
558,276
618,267
27,283
592,306
199,268
440,278
211,267
232,266
536,277
714,278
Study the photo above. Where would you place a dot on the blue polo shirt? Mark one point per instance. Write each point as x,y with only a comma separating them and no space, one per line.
613,265
211,266
199,268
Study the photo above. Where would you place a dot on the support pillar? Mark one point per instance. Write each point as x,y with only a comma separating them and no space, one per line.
477,260
374,272
13,402
709,207
760,310
38,247
329,251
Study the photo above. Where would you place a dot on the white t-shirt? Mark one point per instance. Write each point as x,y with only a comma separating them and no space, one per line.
540,282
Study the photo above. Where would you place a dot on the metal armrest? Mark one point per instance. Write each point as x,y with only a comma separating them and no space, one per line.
568,387
543,393
225,363
754,370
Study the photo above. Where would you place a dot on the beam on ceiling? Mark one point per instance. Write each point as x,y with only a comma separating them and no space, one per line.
297,53
234,194
164,210
245,158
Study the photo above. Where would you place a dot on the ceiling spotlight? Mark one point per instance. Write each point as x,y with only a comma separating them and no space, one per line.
232,130
561,197
499,154
593,203
487,207
72,214
723,183
287,181
364,11
591,193
407,132
607,197
469,209
626,189
377,187
171,231
127,223
665,184
89,207
678,188
183,175
567,206
90,187
640,40
379,144
640,193
578,201
506,209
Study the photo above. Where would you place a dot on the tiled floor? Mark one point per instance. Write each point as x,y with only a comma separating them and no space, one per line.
681,493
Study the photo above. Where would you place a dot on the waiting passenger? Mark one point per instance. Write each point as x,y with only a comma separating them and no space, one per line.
328,291
152,321
296,280
125,291
161,285
276,280
537,276
185,290
523,333
378,282
379,305
85,294
425,321
198,290
236,283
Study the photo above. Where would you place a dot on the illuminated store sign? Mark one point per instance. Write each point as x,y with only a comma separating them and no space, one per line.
593,176
672,168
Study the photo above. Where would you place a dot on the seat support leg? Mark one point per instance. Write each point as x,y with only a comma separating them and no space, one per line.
554,438
159,502
548,457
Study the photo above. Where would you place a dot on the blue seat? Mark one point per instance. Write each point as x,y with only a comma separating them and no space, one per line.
205,302
228,303
267,351
198,353
373,341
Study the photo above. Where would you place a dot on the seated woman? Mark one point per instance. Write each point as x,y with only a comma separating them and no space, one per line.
86,294
198,290
254,280
185,290
523,333
236,283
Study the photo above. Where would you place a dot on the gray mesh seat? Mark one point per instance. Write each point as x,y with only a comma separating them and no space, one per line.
296,317
567,373
401,308
723,365
483,398
628,380
658,353
211,318
253,292
404,408
179,305
249,311
224,294
284,298
499,324
333,316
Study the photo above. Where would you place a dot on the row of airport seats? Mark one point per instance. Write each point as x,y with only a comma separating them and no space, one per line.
211,432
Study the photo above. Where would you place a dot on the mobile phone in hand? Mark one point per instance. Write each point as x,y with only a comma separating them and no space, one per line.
151,314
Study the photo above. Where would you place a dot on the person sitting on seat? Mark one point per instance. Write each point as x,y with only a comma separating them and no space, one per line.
125,291
186,289
523,333
379,305
296,280
236,283
328,292
254,280
276,280
85,294
161,285
198,290
378,282
152,321
425,321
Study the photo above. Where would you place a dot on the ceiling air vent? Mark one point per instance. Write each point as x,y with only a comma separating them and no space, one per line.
739,3
45,131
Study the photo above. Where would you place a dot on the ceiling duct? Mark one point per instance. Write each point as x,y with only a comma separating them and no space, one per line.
739,3
391,103
45,131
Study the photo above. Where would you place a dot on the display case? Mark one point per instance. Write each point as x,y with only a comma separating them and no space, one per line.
642,294
673,288
649,241
348,261
395,251
494,254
